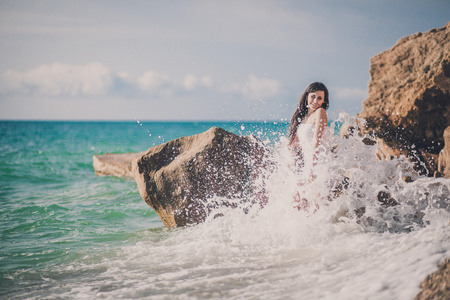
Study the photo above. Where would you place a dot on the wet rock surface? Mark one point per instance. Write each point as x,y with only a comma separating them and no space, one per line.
180,178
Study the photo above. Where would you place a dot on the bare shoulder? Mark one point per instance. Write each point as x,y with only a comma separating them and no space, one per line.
320,114
321,111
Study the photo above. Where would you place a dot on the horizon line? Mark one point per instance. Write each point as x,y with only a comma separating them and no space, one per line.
146,120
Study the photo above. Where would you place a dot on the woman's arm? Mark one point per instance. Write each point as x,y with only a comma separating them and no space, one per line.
294,145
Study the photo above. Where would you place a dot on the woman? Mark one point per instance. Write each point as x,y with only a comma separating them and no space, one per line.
308,124
306,135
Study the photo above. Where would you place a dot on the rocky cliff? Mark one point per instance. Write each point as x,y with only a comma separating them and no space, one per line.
409,95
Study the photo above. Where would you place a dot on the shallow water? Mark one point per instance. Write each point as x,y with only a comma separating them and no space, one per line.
68,234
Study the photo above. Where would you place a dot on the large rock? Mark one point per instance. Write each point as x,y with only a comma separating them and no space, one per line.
409,95
180,178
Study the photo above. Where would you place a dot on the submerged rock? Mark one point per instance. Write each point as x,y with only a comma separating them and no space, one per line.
408,106
179,178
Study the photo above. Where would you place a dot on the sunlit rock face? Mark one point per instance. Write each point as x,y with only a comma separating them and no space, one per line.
409,95
178,179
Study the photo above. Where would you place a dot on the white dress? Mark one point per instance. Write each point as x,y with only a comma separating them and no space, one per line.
305,134
313,176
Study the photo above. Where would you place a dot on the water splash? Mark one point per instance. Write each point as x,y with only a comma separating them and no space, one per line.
349,188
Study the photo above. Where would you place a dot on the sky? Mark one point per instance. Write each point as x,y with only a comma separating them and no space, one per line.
194,60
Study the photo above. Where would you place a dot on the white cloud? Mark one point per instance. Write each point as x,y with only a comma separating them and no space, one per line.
94,79
152,81
125,76
257,88
206,81
59,79
263,87
192,82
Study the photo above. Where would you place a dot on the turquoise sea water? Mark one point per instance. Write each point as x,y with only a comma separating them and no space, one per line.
66,233
55,210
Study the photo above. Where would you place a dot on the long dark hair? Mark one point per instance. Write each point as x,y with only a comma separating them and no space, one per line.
302,107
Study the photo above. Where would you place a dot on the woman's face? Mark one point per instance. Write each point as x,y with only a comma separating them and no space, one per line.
315,100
